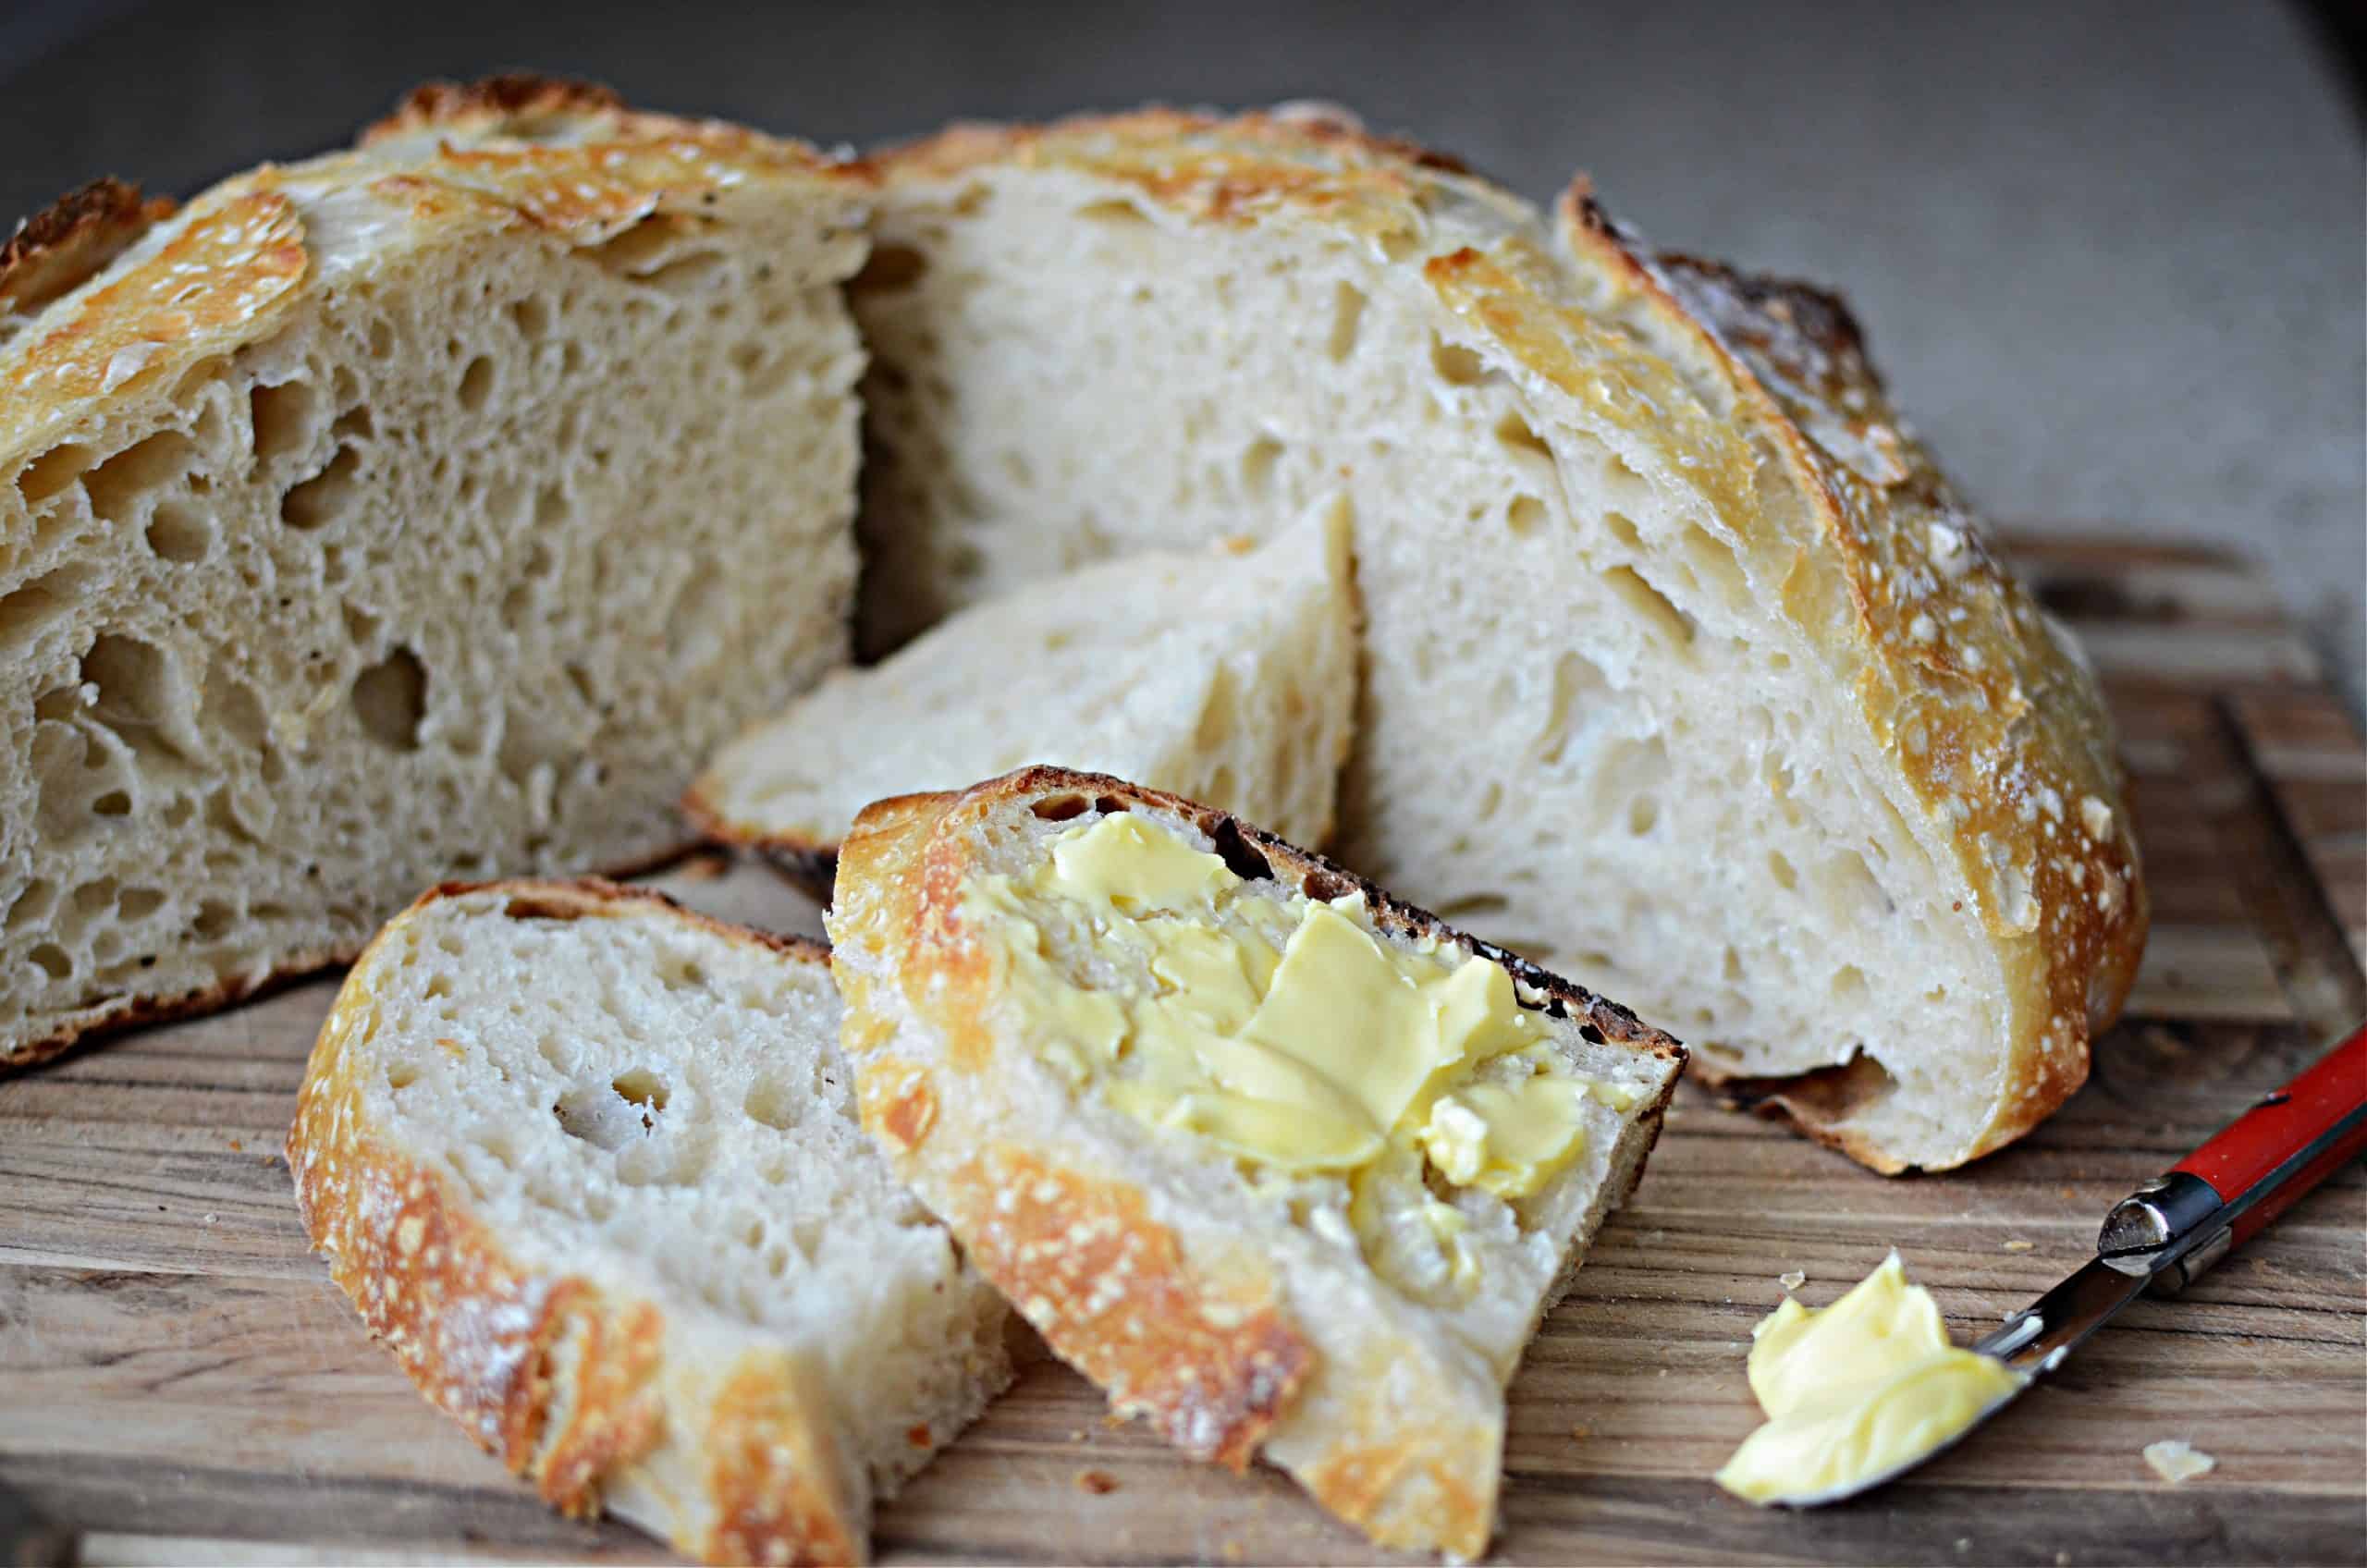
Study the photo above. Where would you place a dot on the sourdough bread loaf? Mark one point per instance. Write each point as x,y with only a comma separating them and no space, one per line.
1686,671
1353,1319
424,510
589,1165
1226,674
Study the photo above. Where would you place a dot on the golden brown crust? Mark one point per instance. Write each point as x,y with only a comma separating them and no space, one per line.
550,1374
1210,1362
509,103
765,1455
72,241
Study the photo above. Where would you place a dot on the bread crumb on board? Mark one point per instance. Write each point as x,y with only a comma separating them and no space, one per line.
1792,1280
1100,1483
2176,1459
2019,1245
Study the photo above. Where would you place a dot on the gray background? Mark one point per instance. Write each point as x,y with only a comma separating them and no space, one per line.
2112,256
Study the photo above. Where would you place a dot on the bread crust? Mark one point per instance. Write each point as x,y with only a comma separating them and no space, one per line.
71,240
1203,1346
1998,728
563,1382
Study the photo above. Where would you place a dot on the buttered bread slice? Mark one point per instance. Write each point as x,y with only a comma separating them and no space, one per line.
1228,675
1285,1166
588,1164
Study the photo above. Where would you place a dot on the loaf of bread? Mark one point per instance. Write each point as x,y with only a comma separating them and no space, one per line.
424,511
1240,1135
1227,675
589,1165
1687,672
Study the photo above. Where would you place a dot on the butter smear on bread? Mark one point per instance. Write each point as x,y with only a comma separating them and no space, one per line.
1296,1042
1858,1390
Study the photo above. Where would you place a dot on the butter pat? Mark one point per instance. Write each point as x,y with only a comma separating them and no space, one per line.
1285,1033
1857,1390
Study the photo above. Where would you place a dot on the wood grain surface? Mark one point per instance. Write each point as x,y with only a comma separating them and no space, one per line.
180,1382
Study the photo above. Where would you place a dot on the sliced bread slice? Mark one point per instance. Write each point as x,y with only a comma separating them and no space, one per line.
425,510
588,1164
1226,675
1661,599
1285,1166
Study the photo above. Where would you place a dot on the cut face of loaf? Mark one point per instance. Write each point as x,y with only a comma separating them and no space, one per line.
588,1164
1287,1168
424,511
1686,671
1227,675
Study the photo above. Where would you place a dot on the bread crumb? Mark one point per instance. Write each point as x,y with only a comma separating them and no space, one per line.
1582,1432
2176,1459
1792,1279
2020,1245
237,1145
1100,1483
918,1436
1078,1436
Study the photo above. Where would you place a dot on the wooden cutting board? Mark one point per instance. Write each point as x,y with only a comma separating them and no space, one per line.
179,1380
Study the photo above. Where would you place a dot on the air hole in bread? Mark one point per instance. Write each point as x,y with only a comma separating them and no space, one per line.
1848,984
1459,366
391,699
1524,516
1617,525
53,961
213,920
889,267
695,273
24,612
229,706
357,423
138,903
320,500
115,802
1120,214
476,383
1659,616
138,691
1520,439
1240,856
1577,679
282,417
117,485
52,472
178,532
360,625
1347,320
1714,565
1258,468
34,905
531,317
1782,870
642,248
776,1103
1059,808
1643,815
401,1075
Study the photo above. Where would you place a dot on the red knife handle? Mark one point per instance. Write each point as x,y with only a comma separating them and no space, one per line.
2265,1159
